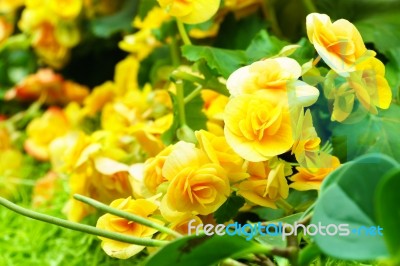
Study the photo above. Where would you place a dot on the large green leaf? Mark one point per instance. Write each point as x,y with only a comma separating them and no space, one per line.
204,251
263,45
106,26
350,200
222,60
372,134
387,200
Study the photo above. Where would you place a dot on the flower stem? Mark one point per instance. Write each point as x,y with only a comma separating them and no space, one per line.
193,94
283,204
81,227
126,215
183,33
180,98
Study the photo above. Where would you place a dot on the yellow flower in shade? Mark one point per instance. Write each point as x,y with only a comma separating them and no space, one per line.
257,128
11,163
99,96
153,176
306,142
370,85
218,151
45,189
267,183
5,139
6,28
197,185
311,177
49,85
276,77
126,72
109,222
66,9
339,44
214,105
43,130
190,11
243,8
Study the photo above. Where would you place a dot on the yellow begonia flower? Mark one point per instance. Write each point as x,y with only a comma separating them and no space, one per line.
257,128
306,140
190,11
218,151
197,185
109,222
126,72
99,96
266,184
153,176
311,177
367,84
43,130
66,9
370,85
143,42
276,77
339,44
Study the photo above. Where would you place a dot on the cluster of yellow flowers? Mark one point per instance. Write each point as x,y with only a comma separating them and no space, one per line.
341,47
123,161
52,26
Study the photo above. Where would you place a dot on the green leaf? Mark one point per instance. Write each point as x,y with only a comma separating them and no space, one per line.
202,250
222,60
229,209
277,240
104,27
371,134
263,45
387,200
350,200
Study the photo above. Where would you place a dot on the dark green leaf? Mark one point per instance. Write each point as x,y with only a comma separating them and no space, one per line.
203,251
222,60
350,200
387,200
104,27
229,209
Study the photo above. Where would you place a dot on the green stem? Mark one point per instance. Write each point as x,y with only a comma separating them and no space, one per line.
183,33
283,204
126,215
180,97
81,227
193,94
215,86
178,74
174,52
